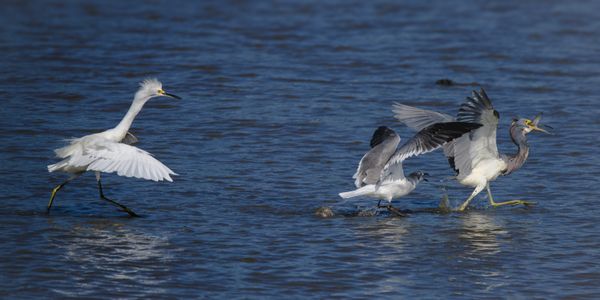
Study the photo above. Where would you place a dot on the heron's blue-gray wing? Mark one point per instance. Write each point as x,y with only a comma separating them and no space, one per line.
371,164
418,119
480,144
426,140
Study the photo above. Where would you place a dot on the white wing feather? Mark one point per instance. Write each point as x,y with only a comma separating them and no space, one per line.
106,156
480,144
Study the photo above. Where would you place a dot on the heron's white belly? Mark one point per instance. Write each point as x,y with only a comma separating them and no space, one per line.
485,171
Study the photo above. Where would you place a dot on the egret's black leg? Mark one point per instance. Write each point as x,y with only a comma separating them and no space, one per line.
123,207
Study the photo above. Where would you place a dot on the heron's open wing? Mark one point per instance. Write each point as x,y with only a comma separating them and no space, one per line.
424,141
371,164
480,144
418,119
129,139
129,161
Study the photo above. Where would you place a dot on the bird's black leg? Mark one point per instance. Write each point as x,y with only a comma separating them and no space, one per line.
396,211
123,207
55,190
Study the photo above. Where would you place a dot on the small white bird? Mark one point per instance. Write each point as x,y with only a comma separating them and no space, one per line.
111,151
380,174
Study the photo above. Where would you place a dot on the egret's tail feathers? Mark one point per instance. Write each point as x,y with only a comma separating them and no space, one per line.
365,190
68,150
57,166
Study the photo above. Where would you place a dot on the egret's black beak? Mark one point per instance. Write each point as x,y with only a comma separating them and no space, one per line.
425,175
172,96
163,93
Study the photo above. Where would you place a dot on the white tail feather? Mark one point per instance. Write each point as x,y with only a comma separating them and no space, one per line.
365,190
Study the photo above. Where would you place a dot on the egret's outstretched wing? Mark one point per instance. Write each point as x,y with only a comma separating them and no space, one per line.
383,145
424,141
480,144
106,156
416,118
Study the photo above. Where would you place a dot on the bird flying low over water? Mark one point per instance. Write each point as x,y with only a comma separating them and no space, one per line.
111,151
380,174
475,156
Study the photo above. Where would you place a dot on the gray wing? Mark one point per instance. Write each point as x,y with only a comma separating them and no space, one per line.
480,144
129,139
371,164
426,140
416,118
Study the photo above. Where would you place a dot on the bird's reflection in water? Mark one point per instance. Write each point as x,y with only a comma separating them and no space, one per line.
109,254
481,233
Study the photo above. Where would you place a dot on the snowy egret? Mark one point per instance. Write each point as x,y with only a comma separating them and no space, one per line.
111,151
475,156
380,174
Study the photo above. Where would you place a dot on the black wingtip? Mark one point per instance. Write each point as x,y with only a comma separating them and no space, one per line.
380,134
445,132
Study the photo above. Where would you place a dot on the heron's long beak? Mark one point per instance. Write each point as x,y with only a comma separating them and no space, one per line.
534,127
425,175
162,92
536,123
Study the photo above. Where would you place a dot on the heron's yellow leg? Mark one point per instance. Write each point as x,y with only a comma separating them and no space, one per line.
510,202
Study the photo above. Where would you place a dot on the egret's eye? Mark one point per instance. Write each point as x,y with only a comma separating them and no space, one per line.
528,122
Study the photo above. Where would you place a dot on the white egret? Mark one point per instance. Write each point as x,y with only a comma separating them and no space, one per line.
475,156
380,173
111,151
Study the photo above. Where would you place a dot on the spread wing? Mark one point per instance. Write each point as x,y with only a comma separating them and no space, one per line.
416,118
480,144
371,164
424,141
106,156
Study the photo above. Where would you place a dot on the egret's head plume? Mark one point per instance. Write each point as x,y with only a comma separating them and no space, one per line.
151,87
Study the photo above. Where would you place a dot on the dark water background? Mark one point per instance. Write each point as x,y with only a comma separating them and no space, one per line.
280,99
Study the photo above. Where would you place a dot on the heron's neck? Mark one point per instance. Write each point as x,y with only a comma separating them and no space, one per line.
514,162
134,109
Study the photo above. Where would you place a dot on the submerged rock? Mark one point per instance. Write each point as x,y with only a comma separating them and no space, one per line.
445,81
324,212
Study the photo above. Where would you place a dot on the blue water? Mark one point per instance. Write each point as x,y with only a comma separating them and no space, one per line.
279,102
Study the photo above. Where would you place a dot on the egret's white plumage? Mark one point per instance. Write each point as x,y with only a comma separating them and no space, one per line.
111,151
475,156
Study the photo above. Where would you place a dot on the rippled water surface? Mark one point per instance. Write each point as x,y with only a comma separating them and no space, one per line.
280,100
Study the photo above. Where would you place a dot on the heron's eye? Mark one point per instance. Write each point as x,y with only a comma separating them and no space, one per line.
528,122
